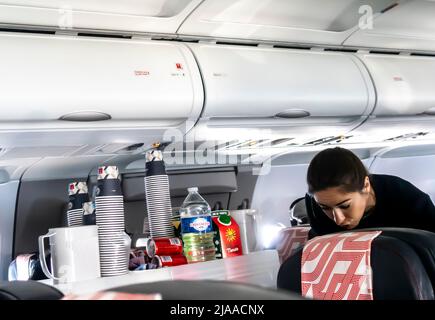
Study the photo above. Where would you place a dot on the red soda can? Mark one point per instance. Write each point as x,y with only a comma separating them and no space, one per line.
164,247
169,261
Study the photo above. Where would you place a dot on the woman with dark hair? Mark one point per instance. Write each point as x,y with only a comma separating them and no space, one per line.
342,195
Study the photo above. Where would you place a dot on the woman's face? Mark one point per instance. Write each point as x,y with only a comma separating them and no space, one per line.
345,208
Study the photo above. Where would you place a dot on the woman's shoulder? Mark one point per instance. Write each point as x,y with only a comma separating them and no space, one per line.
387,179
392,184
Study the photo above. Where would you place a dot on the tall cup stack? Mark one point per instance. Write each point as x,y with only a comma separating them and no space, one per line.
78,195
109,204
158,198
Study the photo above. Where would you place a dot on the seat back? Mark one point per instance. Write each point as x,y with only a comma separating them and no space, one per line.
28,290
422,241
289,240
398,270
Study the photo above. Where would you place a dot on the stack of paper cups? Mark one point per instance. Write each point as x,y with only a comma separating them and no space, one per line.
158,198
109,203
78,195
89,213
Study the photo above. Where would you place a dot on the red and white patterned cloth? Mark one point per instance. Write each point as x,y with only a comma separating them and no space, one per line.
337,267
110,295
290,239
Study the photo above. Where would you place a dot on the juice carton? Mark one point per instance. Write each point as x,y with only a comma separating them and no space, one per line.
227,235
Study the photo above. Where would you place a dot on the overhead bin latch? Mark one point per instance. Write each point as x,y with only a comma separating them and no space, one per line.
86,116
292,114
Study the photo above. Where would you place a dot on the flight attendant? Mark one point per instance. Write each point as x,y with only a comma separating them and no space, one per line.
342,195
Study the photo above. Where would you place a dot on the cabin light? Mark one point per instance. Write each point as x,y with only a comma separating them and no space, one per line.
269,234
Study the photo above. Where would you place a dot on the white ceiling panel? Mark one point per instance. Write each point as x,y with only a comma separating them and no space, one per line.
153,16
408,26
13,169
33,152
63,167
302,21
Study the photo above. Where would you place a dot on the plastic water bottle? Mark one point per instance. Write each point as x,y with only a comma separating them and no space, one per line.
196,228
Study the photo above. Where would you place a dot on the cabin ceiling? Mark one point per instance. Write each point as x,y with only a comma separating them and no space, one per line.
397,24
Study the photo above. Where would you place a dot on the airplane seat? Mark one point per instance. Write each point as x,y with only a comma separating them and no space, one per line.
28,290
399,270
168,289
422,241
207,290
291,238
298,212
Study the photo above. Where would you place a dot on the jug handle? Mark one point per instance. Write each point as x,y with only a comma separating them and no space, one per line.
42,256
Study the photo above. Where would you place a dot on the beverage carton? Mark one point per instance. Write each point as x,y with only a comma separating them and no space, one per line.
227,235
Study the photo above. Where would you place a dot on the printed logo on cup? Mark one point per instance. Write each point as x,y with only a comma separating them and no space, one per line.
108,172
77,188
154,155
88,208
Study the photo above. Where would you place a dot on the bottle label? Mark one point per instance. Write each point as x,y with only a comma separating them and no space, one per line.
196,225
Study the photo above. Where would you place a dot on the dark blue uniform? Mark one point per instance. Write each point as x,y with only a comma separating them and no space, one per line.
398,204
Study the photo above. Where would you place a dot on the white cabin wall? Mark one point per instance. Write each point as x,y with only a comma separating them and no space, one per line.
8,196
419,170
275,191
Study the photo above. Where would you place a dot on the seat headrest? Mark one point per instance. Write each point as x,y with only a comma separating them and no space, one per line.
28,290
422,241
207,290
398,271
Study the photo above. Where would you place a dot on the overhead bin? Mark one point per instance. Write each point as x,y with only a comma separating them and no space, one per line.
271,87
298,21
76,82
404,84
405,107
151,16
407,26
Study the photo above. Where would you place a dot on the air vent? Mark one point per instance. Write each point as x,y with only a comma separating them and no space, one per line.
408,136
113,148
247,44
104,35
341,50
257,144
247,144
26,31
279,143
389,7
327,140
292,47
396,53
419,54
132,149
